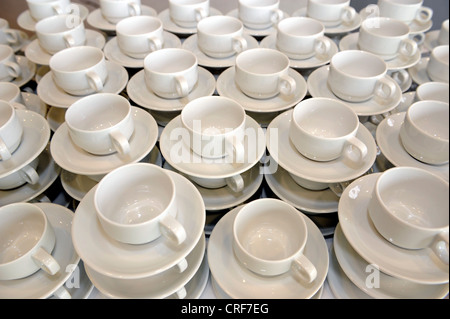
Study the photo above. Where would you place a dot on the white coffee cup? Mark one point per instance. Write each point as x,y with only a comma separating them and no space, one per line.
216,127
27,241
443,33
331,12
140,35
116,10
357,76
337,188
424,133
434,91
11,130
101,123
79,70
259,15
437,67
41,9
387,38
9,68
24,175
302,38
137,203
235,183
325,129
409,208
11,93
264,73
269,237
407,11
7,35
221,36
55,34
187,13
171,73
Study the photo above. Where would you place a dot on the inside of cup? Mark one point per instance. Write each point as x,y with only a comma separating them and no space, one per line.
169,61
219,25
441,54
76,59
301,27
359,64
138,25
53,25
431,118
6,112
386,27
261,61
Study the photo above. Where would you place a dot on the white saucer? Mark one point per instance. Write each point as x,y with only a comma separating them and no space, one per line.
117,260
55,117
431,41
336,171
315,202
318,87
390,144
113,52
142,96
40,72
224,198
158,286
27,71
96,19
53,95
172,27
408,99
254,32
74,159
77,186
340,29
40,285
83,287
350,42
419,266
25,21
197,285
226,86
181,157
48,172
33,103
419,72
240,283
36,54
313,62
36,136
206,61
389,287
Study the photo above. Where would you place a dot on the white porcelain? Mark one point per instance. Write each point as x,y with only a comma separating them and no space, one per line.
83,287
115,11
51,94
437,67
403,79
424,133
162,285
9,67
260,15
324,130
434,91
172,27
318,87
331,13
26,174
73,159
239,282
419,73
406,11
7,35
40,285
419,266
389,142
443,33
257,33
354,267
40,9
27,71
11,130
187,13
11,93
28,241
138,261
287,156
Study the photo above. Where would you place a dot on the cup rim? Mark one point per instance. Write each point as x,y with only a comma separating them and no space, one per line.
367,22
338,69
253,4
425,85
400,4
129,20
245,53
301,19
184,4
201,24
8,52
151,56
55,59
41,23
13,112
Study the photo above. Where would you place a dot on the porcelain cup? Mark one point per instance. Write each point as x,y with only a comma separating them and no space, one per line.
269,237
116,10
336,188
24,175
137,203
8,36
434,91
437,67
409,208
9,68
11,130
260,15
187,13
324,129
302,38
331,12
171,73
407,11
424,132
27,240
54,34
357,76
101,124
221,36
264,73
443,33
387,38
11,93
79,70
41,9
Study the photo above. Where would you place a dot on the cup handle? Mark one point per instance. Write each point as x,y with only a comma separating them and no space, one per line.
424,15
383,85
155,44
29,174
12,36
276,16
236,183
5,154
419,38
239,44
13,69
120,142
44,260
322,46
172,229
355,150
181,293
94,81
348,15
182,265
304,269
401,76
287,85
58,9
62,293
69,41
408,47
200,14
182,86
134,9
440,246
